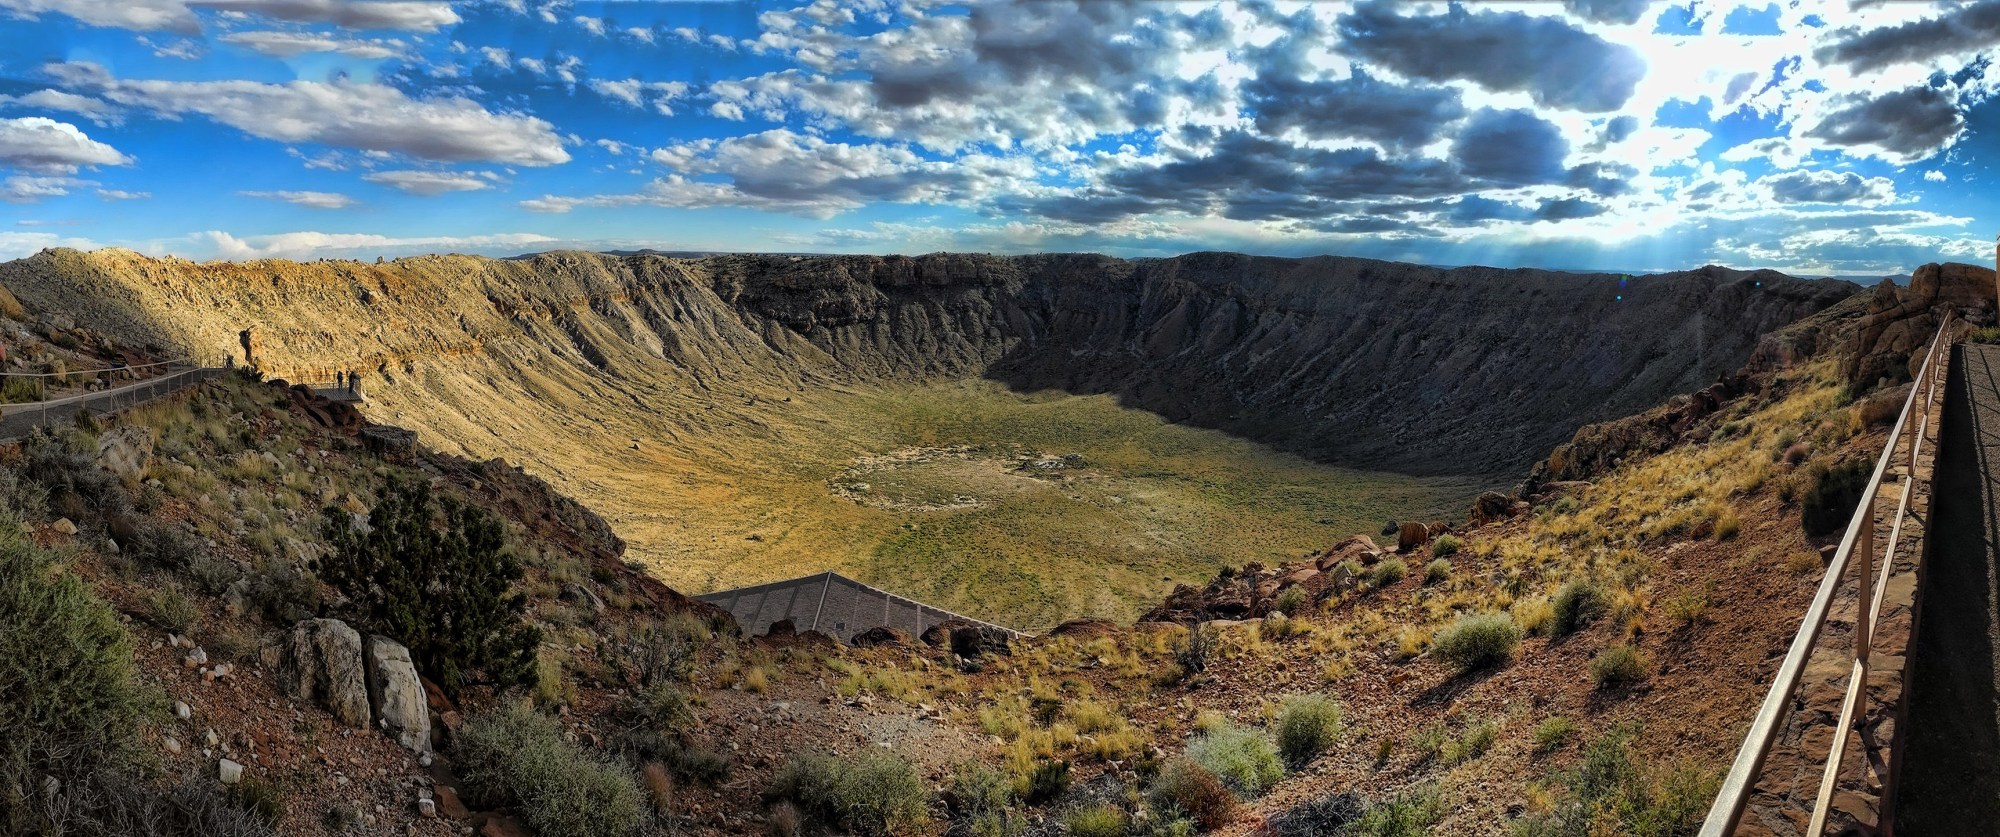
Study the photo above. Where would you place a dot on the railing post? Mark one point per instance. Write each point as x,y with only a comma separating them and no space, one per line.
1863,627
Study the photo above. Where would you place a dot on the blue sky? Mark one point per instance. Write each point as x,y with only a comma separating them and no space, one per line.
1616,134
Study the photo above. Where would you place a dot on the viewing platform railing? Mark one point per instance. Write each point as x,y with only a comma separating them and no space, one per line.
1857,548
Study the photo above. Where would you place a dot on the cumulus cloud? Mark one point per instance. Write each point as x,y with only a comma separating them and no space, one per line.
296,245
96,110
1970,27
1556,64
1813,186
659,95
1905,125
142,15
413,15
370,117
1511,147
1609,11
429,183
316,200
43,145
288,44
31,188
1358,106
789,172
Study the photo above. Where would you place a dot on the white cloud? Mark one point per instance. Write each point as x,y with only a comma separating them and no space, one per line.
413,15
122,195
1934,176
170,15
288,44
593,25
44,145
98,111
316,200
638,94
31,188
20,245
299,245
429,182
369,117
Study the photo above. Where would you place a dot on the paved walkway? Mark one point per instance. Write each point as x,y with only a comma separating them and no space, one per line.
17,420
1950,780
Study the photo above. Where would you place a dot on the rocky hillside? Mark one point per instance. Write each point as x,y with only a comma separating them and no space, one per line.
1486,367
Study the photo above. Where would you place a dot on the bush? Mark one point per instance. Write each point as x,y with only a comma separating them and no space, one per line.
1576,605
1437,571
169,609
1320,817
63,463
1619,665
518,757
1242,758
1404,815
1101,820
67,698
113,802
1477,641
1552,733
1446,544
1307,725
1474,743
1188,789
1613,792
664,707
1291,601
1194,650
1047,782
283,594
876,794
433,573
977,796
667,649
1390,571
1834,496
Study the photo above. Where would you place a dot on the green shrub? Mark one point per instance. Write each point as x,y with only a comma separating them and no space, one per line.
875,794
1834,496
433,574
1307,725
1292,601
1576,605
1477,641
260,797
67,698
1552,733
518,757
170,609
977,796
1446,544
1473,743
1188,789
1047,782
1611,791
1404,815
1194,650
1619,665
1437,571
664,707
1101,820
1242,758
1389,571
21,390
116,802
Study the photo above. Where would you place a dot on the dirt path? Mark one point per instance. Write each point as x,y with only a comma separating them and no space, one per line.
1950,783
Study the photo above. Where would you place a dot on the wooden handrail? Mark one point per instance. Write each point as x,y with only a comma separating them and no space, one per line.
1734,795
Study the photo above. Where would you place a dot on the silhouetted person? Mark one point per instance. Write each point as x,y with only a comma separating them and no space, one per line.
339,380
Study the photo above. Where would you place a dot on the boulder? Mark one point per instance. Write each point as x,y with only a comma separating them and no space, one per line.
228,772
324,665
1489,507
127,451
939,635
1412,535
396,695
978,640
882,635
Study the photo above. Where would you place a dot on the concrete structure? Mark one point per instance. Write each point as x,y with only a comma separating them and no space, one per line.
830,603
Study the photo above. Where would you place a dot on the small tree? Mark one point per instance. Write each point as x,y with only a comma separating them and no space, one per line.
431,573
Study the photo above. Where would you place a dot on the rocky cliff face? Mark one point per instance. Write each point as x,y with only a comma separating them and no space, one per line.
1365,363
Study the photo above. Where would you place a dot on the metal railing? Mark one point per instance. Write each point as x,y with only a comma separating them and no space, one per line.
1857,546
17,420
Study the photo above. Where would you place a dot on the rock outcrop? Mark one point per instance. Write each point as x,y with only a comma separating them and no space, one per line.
1900,322
324,665
396,695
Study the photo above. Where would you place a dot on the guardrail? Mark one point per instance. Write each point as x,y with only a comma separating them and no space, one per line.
17,420
1857,546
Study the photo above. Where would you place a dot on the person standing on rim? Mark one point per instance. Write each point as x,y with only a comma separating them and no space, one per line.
339,380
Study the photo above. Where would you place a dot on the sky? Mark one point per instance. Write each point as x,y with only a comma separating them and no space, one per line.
1837,138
